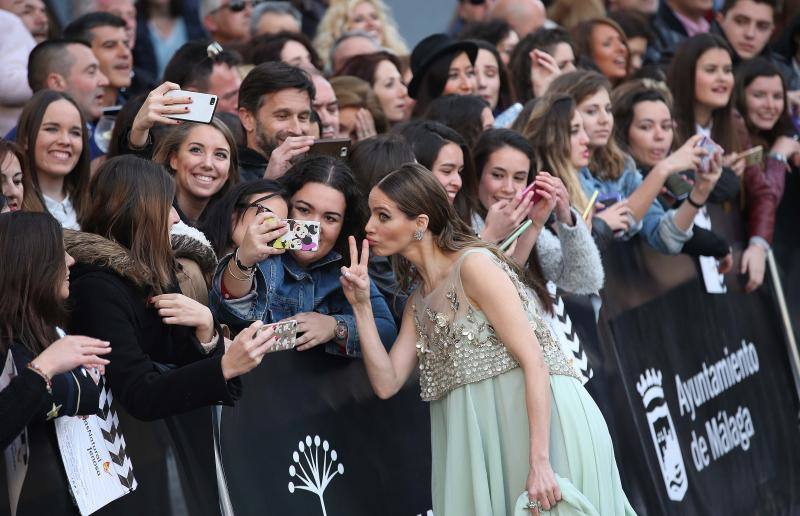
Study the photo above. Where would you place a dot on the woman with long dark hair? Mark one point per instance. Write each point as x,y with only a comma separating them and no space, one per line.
228,219
259,281
42,373
474,331
702,82
52,132
441,66
492,78
468,115
444,152
383,71
169,355
761,101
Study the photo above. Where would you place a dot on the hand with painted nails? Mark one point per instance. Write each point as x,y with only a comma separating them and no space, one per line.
154,111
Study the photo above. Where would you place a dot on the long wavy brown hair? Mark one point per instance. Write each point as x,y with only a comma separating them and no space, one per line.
415,190
131,203
548,130
31,305
608,161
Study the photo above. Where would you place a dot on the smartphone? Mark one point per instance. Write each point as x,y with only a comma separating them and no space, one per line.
709,145
303,235
201,109
527,189
336,147
753,155
111,111
285,335
608,200
678,187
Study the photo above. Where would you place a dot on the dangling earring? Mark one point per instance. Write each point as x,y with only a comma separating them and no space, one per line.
418,234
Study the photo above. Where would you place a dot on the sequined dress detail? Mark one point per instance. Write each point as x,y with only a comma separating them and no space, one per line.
456,344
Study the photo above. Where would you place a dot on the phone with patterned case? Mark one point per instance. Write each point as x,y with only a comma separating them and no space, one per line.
303,235
285,335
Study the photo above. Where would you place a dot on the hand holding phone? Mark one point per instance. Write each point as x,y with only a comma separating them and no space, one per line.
302,235
281,158
257,243
285,333
711,148
201,109
752,156
156,110
338,148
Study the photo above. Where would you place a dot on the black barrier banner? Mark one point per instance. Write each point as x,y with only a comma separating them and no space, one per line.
309,437
713,414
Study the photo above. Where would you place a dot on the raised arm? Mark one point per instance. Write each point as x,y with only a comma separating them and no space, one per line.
490,289
387,371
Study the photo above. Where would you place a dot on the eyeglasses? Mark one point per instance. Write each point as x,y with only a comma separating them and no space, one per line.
260,208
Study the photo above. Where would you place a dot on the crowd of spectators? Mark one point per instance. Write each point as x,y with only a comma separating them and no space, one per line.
633,115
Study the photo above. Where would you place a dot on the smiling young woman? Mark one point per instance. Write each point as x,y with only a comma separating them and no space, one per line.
701,79
259,281
202,159
52,132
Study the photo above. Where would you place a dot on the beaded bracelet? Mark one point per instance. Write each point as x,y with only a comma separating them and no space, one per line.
33,367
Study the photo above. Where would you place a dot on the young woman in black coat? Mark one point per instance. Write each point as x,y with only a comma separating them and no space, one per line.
168,356
41,377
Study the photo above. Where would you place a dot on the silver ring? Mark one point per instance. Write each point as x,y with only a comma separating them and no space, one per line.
534,504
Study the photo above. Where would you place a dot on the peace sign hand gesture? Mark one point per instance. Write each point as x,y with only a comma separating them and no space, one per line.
355,279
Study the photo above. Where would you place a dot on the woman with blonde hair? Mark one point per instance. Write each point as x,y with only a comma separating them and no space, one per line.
370,16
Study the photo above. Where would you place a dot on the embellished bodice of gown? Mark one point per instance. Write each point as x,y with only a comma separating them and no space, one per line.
456,344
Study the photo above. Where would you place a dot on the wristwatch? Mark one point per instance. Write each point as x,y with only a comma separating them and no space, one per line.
340,332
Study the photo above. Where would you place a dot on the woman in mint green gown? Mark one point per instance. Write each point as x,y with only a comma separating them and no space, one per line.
512,428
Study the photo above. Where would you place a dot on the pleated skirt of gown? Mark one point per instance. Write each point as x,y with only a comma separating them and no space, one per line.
480,443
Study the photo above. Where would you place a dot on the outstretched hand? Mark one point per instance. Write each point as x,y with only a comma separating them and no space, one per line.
355,279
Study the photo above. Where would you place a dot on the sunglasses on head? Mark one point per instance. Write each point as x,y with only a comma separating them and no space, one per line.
237,6
477,2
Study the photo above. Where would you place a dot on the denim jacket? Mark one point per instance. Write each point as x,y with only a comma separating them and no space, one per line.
283,288
657,227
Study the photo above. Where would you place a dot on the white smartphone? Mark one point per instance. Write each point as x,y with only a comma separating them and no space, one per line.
201,109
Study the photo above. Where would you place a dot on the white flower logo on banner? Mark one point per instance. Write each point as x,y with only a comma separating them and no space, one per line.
313,475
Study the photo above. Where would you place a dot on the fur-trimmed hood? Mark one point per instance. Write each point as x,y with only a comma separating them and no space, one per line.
92,249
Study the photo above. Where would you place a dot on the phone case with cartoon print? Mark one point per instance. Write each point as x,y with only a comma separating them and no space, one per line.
303,235
285,333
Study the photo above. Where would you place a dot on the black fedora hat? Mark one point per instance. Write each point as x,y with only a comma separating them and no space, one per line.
432,48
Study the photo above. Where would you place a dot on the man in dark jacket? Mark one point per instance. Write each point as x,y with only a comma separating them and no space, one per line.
275,111
678,20
748,25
